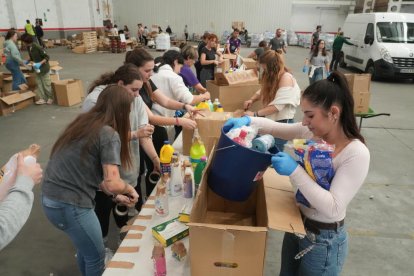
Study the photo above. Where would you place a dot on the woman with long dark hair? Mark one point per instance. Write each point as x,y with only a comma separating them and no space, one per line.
328,108
317,62
86,157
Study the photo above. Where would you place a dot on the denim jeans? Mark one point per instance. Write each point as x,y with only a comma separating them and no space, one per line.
280,143
82,227
18,78
326,258
317,75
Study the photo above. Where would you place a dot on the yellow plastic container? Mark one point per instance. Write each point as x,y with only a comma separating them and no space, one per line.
203,105
166,153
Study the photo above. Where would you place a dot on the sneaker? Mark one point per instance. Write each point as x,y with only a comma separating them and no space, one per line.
108,255
41,101
50,101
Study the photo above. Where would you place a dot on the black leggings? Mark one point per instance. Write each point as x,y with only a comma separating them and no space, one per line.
103,207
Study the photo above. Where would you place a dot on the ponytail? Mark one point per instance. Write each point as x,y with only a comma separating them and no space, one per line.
104,79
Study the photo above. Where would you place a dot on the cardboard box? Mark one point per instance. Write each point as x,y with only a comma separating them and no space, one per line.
31,81
249,63
232,97
229,238
361,102
16,101
238,77
209,128
68,92
359,82
170,231
223,67
54,77
229,56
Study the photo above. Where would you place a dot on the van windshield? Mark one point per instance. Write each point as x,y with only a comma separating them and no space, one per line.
395,32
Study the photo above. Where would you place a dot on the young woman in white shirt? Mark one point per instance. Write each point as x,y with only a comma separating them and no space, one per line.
328,108
280,93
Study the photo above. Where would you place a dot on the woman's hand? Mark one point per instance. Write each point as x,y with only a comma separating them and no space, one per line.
145,131
124,200
247,104
34,171
206,95
156,163
187,123
216,62
132,195
249,113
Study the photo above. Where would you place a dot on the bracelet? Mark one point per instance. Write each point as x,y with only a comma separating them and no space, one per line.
176,121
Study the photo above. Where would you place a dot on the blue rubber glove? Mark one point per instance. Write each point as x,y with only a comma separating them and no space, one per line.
328,74
305,69
283,163
37,65
25,62
236,123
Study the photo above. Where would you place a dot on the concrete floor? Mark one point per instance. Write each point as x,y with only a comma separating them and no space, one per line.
379,219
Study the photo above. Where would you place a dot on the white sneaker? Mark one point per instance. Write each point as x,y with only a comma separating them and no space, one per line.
108,255
41,101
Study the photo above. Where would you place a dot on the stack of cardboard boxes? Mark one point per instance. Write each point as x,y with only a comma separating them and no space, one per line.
360,85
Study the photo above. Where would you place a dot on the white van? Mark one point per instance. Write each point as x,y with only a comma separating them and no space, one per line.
385,44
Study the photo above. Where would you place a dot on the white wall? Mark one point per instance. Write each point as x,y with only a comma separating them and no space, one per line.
201,15
57,15
306,18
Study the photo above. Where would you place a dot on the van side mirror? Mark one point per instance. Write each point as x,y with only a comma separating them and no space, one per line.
368,40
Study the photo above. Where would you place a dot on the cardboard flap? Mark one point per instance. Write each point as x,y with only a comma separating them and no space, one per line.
53,63
17,97
226,227
239,77
282,211
56,68
229,56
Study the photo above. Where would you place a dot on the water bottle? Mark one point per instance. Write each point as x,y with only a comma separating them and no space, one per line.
210,104
176,180
161,197
305,66
166,154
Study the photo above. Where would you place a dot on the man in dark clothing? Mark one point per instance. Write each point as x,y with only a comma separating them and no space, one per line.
39,34
315,36
336,50
277,43
168,30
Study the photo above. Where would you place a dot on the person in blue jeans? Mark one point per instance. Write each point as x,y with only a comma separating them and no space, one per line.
14,59
86,157
328,107
317,62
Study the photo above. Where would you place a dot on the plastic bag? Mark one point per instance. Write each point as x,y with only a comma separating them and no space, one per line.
316,159
243,136
8,172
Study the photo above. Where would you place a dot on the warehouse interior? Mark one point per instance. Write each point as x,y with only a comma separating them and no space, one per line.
378,219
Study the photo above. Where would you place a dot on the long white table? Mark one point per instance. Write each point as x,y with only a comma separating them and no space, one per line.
143,243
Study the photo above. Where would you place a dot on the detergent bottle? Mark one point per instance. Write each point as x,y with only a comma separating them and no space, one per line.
197,149
210,104
166,154
219,108
203,105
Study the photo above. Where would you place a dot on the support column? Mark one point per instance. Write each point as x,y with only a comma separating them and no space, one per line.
12,16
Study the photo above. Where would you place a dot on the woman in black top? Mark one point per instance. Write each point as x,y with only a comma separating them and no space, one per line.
150,94
208,59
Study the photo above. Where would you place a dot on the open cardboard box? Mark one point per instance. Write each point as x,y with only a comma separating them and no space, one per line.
209,126
249,63
232,97
229,238
68,92
238,77
15,101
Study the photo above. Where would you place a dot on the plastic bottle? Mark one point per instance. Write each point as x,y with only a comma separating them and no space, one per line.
166,154
203,105
198,172
197,149
263,143
161,197
241,139
219,108
176,180
216,104
158,258
210,105
188,183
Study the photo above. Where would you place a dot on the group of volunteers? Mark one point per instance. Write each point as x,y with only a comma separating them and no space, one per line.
96,163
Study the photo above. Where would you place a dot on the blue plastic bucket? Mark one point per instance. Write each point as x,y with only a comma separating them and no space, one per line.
235,169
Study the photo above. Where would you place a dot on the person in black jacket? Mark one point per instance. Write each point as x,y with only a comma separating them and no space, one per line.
39,34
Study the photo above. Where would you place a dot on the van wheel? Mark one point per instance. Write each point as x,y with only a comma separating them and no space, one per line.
371,70
342,63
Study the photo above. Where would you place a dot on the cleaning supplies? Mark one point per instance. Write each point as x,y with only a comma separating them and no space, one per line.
166,154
